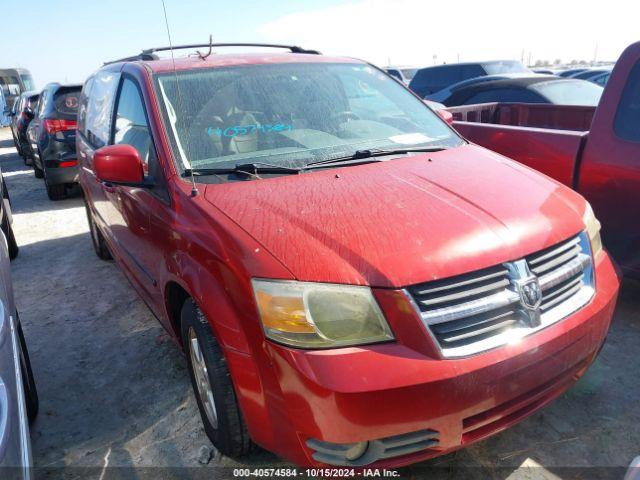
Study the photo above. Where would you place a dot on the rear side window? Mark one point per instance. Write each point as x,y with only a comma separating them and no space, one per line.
66,102
33,102
97,108
627,122
19,105
42,102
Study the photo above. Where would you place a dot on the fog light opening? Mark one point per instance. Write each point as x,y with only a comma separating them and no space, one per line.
356,451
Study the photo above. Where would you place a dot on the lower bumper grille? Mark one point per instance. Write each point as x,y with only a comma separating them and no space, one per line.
344,454
480,310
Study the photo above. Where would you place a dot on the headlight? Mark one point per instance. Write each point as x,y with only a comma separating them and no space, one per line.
318,315
592,226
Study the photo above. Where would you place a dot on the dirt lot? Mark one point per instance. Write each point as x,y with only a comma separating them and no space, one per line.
114,390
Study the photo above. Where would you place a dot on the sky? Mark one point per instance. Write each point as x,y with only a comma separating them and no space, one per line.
66,40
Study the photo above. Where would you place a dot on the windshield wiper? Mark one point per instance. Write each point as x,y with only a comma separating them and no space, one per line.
367,156
251,169
357,158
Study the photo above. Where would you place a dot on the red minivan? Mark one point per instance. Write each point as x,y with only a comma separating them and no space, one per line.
351,281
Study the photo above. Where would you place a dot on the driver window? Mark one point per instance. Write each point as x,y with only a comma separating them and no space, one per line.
131,126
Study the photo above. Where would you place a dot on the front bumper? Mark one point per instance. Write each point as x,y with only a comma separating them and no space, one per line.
393,392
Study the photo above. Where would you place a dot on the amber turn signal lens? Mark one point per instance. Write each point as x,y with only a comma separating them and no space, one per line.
283,313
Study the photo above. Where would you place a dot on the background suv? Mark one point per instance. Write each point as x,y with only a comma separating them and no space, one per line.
52,138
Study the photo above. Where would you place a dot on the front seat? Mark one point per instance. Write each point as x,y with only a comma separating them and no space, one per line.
220,115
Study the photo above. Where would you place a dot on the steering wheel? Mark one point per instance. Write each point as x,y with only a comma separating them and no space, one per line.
344,116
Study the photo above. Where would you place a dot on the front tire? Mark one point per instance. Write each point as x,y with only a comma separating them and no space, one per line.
97,239
28,382
212,384
12,244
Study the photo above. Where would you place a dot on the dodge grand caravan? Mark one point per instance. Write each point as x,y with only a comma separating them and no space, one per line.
351,281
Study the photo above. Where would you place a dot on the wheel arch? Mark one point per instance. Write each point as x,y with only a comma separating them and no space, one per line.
174,297
243,365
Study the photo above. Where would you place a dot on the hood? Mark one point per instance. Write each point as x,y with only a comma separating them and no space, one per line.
403,221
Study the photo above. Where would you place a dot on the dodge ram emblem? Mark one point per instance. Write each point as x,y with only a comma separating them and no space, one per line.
530,293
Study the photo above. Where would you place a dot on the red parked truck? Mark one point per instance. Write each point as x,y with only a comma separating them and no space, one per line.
596,151
352,282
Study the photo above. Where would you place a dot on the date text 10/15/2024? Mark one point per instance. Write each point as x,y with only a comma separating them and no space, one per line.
315,473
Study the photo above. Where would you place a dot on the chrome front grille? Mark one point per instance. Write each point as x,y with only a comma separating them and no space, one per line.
484,309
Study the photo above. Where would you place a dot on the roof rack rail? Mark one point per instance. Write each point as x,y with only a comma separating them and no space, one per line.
292,48
140,56
149,53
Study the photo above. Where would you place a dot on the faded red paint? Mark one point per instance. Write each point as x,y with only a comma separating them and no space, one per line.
387,225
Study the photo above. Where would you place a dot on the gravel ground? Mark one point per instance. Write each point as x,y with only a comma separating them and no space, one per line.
114,390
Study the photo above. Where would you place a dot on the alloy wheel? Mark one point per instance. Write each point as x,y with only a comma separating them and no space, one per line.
201,376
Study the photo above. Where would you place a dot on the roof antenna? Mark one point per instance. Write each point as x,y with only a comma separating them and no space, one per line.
205,56
194,187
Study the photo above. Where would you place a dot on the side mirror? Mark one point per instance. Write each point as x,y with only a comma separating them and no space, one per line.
446,115
119,164
29,113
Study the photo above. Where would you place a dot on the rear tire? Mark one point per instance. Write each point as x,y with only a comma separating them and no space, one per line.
212,384
54,192
26,156
97,239
28,382
37,171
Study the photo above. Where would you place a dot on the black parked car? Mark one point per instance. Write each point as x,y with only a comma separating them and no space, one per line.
21,116
430,80
527,89
52,138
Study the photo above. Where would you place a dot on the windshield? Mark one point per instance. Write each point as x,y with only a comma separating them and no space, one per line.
292,114
504,66
27,81
570,92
